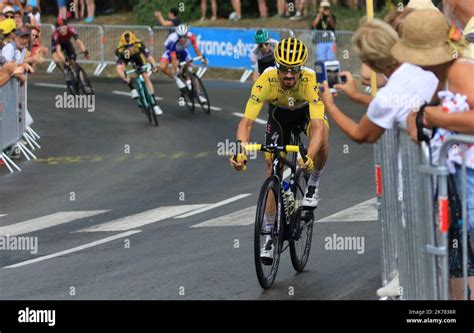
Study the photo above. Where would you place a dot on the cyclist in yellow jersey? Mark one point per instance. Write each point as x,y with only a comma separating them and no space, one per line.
293,92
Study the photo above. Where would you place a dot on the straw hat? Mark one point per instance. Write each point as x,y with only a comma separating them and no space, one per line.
425,39
469,34
326,4
421,4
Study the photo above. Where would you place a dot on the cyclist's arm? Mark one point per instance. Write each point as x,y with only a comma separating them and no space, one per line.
81,45
258,97
121,71
59,52
195,45
316,114
174,60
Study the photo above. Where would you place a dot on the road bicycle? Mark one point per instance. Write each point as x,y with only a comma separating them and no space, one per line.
77,81
196,91
145,100
293,222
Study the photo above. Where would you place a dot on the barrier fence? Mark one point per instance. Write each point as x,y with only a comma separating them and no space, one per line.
414,216
15,124
226,47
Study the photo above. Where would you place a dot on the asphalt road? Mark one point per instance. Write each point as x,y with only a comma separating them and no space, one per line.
97,167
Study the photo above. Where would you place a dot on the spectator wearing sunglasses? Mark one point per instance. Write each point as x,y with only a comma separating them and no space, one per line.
37,52
9,12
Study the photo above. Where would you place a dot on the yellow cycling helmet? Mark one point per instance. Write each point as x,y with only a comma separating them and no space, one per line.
290,52
128,38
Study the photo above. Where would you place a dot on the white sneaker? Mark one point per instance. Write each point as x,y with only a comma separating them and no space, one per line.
202,99
157,110
266,253
180,84
311,197
134,93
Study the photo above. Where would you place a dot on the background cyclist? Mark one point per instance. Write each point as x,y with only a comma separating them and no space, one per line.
132,50
261,56
176,51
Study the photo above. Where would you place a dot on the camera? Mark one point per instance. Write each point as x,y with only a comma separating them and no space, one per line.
329,71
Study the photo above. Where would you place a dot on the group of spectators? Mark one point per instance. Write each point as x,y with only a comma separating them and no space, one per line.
420,57
77,8
20,46
292,9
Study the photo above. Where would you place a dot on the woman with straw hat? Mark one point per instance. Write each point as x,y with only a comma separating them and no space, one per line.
428,41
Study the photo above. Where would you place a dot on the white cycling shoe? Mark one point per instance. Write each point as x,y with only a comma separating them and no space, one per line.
202,99
311,197
266,253
134,93
157,110
180,84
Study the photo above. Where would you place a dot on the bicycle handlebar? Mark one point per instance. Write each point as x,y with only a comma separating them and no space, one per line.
182,63
146,67
273,149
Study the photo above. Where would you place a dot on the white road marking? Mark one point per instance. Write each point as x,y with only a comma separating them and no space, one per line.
47,221
242,217
218,204
51,85
127,93
258,120
75,249
216,108
141,219
365,211
2,215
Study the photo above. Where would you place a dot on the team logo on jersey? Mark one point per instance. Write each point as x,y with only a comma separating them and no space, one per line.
255,98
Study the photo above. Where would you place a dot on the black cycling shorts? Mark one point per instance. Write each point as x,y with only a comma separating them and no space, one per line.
281,121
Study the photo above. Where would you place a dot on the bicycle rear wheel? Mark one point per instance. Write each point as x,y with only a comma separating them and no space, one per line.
269,202
200,94
84,83
301,226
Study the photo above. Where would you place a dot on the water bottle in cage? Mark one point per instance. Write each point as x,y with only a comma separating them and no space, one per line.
288,199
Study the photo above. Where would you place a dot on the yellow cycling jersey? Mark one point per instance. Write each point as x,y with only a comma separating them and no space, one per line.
268,89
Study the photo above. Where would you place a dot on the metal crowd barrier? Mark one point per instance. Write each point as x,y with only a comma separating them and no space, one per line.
102,41
414,236
15,121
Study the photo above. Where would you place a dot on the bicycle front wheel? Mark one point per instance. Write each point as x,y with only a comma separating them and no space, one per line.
151,113
268,234
84,83
301,226
200,94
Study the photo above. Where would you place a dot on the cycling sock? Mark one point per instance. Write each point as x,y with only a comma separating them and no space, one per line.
314,177
269,221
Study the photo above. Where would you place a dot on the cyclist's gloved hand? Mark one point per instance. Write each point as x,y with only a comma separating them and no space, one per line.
239,162
308,165
126,80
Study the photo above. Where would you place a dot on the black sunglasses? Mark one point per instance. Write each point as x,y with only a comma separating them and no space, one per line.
287,69
9,16
264,44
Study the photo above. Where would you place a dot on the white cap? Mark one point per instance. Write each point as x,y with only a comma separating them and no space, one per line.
325,4
8,9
